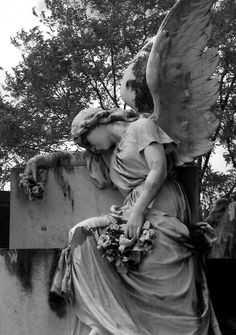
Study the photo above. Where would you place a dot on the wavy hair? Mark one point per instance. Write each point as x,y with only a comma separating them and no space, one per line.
89,118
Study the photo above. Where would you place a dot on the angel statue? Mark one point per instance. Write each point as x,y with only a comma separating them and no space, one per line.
139,269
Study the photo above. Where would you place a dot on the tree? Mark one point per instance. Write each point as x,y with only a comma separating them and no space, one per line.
215,185
79,61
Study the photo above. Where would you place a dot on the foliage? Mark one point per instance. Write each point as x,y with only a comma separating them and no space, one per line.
215,185
78,60
225,36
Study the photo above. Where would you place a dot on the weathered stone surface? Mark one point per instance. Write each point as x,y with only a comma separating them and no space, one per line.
69,198
26,309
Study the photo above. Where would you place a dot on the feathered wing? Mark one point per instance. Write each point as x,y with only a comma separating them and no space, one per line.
186,89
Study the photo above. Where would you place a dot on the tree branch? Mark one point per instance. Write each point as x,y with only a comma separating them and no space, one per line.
231,154
95,87
114,76
228,194
222,107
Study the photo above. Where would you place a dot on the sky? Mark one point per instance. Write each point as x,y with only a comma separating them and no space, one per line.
17,14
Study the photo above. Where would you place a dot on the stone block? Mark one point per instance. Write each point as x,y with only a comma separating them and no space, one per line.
26,308
70,197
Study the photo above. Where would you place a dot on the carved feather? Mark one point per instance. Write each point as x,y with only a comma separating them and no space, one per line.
186,89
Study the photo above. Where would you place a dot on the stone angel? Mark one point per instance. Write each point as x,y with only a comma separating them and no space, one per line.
138,269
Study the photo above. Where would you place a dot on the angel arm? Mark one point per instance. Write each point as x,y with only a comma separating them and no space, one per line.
59,158
33,178
156,160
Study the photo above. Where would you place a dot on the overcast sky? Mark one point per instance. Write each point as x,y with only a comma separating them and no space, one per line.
17,14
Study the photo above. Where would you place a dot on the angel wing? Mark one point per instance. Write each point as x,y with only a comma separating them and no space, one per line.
185,87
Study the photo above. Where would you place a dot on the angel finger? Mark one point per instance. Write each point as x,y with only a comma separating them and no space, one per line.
31,171
128,232
138,232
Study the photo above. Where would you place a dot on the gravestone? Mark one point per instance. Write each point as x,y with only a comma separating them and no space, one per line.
69,198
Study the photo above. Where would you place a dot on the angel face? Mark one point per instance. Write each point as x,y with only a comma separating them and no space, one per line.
100,138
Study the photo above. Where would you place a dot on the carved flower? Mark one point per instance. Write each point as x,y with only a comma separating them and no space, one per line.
32,188
104,241
110,258
114,226
147,235
125,243
136,254
148,246
124,253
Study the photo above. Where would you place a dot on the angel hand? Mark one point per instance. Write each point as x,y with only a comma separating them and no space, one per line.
89,225
30,172
32,179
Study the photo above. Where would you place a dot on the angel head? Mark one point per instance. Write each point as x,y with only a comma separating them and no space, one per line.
93,128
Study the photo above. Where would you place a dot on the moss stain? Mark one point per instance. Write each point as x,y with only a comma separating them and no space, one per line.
64,184
143,98
23,263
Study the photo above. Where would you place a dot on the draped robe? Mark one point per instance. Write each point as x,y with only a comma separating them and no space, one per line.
167,293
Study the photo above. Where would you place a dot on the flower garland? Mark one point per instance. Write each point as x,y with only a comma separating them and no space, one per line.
34,189
124,253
